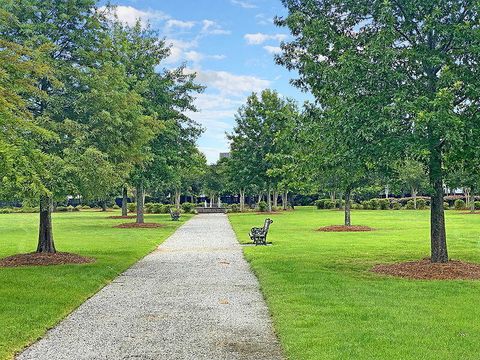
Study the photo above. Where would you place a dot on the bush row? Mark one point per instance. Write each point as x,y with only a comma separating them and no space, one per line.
387,204
157,208
24,210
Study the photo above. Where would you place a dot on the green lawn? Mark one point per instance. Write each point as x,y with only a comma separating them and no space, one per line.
34,299
326,304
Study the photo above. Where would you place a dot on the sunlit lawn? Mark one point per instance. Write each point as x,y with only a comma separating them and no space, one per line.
326,304
33,299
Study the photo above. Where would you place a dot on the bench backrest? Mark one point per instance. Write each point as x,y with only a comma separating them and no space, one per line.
266,225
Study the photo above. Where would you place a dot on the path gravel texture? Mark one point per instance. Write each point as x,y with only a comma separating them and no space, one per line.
195,298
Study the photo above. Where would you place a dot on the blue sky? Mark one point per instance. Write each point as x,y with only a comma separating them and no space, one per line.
229,43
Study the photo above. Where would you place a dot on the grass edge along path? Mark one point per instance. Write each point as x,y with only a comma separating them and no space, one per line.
36,298
327,303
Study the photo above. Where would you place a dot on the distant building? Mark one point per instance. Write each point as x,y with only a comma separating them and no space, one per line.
224,155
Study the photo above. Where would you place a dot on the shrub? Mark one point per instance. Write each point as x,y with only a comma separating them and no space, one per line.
75,208
365,205
396,206
149,208
70,208
158,208
27,209
459,204
329,204
374,204
188,207
262,206
355,206
234,208
421,204
132,207
116,207
410,205
319,204
85,207
6,211
384,204
61,209
477,205
446,206
166,208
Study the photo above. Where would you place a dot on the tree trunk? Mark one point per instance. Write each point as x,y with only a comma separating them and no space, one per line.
178,194
242,200
348,193
125,202
472,201
275,198
140,204
438,236
414,195
285,200
45,234
104,205
387,192
269,200
260,196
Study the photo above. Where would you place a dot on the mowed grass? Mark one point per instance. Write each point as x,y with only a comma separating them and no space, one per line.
33,299
327,304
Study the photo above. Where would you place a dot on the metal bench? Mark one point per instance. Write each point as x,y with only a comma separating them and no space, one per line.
175,214
259,235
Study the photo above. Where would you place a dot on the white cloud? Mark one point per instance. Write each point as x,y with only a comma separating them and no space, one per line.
216,116
172,23
194,56
273,49
230,84
178,49
130,15
185,51
243,4
210,27
260,38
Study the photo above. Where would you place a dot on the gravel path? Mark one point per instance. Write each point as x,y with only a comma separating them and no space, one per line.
194,298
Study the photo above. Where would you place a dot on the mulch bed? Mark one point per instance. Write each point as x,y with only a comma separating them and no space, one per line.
469,212
426,270
44,259
123,217
343,228
139,226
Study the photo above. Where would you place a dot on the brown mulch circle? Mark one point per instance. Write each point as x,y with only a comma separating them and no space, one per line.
343,228
44,259
426,270
123,217
139,226
469,212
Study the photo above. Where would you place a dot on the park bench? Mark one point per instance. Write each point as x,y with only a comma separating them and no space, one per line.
175,214
259,235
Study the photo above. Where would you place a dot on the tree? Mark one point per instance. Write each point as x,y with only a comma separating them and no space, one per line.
258,140
412,177
214,180
90,107
21,158
420,67
66,29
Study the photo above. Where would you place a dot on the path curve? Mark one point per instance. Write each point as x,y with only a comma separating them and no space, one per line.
193,298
